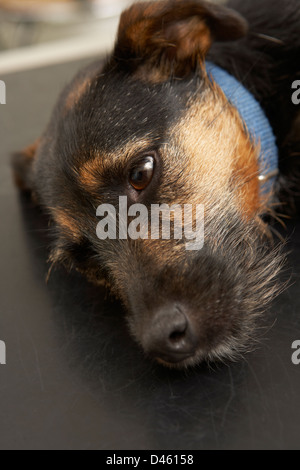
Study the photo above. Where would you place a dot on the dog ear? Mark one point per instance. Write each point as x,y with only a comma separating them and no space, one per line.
174,32
22,163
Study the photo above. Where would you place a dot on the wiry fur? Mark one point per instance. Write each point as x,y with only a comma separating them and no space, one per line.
227,286
153,95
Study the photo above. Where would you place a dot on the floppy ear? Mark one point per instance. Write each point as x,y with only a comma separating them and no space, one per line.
22,163
174,33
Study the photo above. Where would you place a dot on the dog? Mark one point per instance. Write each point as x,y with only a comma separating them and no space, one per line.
193,106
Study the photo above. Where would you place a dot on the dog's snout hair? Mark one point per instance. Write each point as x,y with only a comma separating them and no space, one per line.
151,124
223,290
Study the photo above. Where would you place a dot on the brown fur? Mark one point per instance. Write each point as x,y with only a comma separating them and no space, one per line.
153,98
213,136
67,223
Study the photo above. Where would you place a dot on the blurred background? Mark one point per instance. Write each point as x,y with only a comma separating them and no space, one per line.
34,33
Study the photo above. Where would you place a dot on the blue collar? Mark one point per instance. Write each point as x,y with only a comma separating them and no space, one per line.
255,120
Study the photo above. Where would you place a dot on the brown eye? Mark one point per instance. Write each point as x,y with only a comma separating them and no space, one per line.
141,175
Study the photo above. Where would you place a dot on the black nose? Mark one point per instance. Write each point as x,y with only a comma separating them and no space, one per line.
170,335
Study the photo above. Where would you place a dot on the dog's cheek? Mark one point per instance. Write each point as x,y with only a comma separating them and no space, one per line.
67,225
212,135
79,256
88,263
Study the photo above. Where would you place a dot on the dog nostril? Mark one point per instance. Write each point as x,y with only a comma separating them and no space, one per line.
179,330
170,335
176,336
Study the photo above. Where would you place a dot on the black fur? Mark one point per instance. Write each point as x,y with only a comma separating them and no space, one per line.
118,117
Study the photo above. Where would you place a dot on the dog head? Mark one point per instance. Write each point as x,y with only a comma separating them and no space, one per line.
152,127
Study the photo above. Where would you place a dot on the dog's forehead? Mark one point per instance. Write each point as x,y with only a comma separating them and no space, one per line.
115,109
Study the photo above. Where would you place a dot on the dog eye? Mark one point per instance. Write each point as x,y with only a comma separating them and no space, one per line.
141,175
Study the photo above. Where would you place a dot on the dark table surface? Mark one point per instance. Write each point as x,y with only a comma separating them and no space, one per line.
74,379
